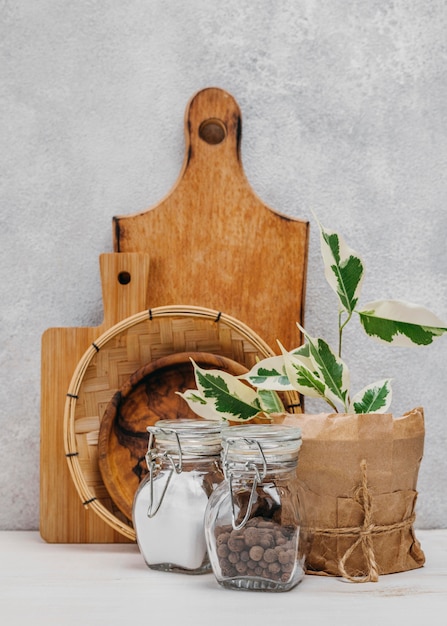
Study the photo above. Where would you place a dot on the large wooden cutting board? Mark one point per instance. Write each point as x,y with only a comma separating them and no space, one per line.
63,518
213,242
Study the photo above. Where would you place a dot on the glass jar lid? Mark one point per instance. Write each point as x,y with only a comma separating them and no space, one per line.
267,443
251,452
186,437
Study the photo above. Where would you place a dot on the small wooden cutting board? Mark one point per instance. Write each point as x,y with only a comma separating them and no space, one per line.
63,518
213,242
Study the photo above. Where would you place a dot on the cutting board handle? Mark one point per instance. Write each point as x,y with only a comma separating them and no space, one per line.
124,280
212,133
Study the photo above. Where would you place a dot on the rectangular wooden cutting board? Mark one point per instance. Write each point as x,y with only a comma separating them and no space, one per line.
63,518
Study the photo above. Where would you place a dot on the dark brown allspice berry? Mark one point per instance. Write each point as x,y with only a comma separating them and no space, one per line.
267,540
223,550
283,557
233,557
256,553
222,537
251,536
274,568
241,567
228,570
236,543
270,555
244,556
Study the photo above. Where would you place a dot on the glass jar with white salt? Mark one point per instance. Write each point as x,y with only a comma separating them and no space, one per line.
183,459
253,519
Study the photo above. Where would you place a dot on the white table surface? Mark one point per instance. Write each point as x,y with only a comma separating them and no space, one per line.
89,584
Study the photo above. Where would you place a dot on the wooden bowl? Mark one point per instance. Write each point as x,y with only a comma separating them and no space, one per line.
147,396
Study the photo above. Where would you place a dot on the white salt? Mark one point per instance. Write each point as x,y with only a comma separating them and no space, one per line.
175,535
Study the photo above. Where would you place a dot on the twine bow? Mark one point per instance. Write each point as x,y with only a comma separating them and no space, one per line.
364,539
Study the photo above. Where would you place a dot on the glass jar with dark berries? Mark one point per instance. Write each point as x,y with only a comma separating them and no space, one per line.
252,520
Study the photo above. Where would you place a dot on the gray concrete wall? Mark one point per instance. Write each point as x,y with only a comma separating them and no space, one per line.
344,112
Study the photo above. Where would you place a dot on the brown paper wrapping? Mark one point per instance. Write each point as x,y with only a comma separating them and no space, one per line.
357,478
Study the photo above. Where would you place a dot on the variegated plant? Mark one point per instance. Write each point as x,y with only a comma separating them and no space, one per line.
315,369
220,395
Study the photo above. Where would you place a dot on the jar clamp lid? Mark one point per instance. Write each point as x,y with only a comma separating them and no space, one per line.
177,440
270,443
254,449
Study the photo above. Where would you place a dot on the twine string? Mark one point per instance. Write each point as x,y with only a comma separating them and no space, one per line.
363,496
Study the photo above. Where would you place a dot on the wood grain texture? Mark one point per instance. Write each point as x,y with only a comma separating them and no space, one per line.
149,395
213,242
63,518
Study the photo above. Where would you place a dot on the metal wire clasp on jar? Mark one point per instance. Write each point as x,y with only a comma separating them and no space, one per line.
183,460
252,520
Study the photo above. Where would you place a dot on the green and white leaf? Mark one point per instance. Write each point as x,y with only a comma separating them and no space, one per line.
307,381
199,405
269,374
343,268
375,398
330,368
303,354
224,395
400,323
302,378
270,401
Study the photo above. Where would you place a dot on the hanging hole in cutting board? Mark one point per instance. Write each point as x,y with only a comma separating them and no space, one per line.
212,131
124,278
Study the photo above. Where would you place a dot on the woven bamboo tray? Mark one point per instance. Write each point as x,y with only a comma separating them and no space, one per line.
114,357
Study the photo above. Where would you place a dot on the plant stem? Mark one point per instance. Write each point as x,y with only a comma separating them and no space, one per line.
341,326
340,329
331,404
